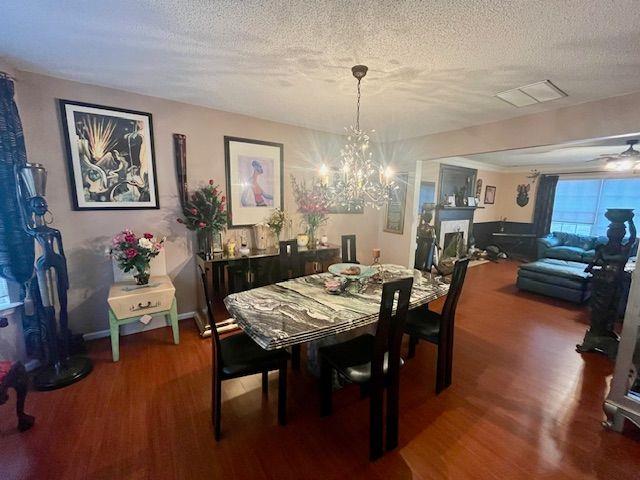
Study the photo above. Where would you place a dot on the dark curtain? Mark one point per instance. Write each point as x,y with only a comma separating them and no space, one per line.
544,204
16,247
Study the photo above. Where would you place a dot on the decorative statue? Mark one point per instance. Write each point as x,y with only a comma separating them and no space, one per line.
607,269
51,274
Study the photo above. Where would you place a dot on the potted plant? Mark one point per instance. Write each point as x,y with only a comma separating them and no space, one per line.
313,204
205,213
135,253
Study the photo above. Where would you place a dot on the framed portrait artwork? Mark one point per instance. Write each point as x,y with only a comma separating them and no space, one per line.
255,170
394,214
110,156
490,195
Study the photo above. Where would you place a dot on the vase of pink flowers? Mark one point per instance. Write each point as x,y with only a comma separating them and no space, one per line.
133,252
313,203
205,213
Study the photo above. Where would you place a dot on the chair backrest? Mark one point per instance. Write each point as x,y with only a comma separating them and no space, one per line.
290,266
424,254
390,326
455,289
215,338
349,249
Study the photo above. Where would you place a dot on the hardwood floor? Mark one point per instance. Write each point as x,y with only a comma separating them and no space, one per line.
523,404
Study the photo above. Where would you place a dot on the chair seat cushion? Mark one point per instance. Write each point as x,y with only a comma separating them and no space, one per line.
424,324
352,359
242,356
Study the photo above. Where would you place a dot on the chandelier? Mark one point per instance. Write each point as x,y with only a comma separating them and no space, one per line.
359,180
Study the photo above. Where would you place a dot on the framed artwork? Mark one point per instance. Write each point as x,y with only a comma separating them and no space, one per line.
111,157
394,214
489,195
255,170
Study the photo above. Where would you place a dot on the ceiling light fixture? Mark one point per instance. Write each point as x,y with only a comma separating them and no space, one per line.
359,180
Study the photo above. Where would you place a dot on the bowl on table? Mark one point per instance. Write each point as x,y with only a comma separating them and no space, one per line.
352,271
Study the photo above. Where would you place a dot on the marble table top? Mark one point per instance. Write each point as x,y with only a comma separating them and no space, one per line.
299,310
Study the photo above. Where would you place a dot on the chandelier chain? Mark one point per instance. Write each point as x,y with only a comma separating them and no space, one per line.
358,108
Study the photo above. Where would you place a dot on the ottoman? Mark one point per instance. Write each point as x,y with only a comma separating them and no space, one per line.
555,278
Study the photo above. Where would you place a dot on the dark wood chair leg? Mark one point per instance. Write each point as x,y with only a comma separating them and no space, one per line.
326,385
282,394
393,411
17,379
217,406
375,422
265,382
295,357
441,369
25,422
413,341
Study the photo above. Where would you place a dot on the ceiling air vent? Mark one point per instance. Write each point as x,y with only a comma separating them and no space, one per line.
538,92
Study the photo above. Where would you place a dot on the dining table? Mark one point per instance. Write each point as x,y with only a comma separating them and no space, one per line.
300,310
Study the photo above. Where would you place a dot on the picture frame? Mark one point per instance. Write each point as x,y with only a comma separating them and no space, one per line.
489,195
254,174
110,157
396,205
471,201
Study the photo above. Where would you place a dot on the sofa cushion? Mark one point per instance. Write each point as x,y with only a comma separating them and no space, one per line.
566,253
588,255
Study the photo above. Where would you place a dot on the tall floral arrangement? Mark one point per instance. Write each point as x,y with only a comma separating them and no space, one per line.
276,221
135,253
205,213
313,203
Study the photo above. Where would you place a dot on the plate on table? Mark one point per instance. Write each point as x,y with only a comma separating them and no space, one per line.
341,269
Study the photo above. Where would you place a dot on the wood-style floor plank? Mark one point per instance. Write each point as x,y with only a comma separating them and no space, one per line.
523,404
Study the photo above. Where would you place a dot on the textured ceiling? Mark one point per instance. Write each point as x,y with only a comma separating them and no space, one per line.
564,154
434,66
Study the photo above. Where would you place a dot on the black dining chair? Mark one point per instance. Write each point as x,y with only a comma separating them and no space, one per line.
349,249
238,356
424,254
438,328
372,361
291,267
289,260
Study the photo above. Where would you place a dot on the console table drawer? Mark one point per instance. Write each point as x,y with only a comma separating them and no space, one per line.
127,302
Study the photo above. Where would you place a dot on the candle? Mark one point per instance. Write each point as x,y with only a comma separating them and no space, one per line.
376,253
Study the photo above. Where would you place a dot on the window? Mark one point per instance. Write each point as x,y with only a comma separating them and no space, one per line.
4,292
580,205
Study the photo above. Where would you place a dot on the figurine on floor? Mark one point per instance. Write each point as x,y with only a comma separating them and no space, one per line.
607,269
15,376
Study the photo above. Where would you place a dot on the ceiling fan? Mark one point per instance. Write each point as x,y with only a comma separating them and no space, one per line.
619,162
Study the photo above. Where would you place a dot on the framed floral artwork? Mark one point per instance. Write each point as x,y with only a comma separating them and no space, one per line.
255,170
110,156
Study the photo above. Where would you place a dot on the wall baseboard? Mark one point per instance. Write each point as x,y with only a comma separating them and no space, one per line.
105,333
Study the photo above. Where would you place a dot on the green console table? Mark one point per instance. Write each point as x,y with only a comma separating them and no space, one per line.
129,302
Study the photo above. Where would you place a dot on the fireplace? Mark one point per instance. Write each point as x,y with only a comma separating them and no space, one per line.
451,220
